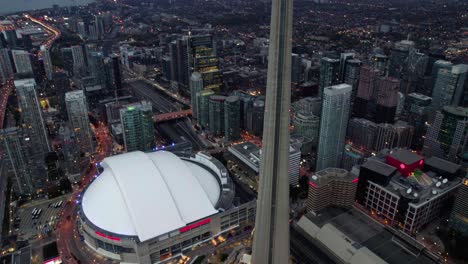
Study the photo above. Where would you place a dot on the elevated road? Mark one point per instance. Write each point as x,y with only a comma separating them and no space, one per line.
172,116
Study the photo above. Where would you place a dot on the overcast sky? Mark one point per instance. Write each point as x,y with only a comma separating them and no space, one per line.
7,6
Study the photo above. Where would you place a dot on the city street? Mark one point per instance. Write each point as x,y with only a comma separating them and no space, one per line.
71,248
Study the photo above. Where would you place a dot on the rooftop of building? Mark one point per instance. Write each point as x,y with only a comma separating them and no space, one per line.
405,156
421,185
358,234
461,112
379,167
442,164
419,96
328,175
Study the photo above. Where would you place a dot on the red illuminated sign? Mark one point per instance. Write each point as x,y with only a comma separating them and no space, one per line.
312,184
106,236
355,180
197,224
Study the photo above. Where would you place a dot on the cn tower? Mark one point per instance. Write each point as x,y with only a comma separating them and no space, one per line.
271,236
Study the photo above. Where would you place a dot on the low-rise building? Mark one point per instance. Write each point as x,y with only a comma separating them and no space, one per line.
331,187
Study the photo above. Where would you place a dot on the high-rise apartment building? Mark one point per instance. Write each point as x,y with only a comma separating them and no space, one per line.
362,133
307,125
387,99
31,116
203,104
459,216
449,87
22,62
138,127
67,59
447,137
389,136
11,140
416,111
79,63
47,61
216,114
351,75
77,109
6,69
344,59
196,86
333,124
365,91
179,66
232,118
329,73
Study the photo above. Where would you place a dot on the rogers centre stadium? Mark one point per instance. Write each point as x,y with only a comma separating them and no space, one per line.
151,207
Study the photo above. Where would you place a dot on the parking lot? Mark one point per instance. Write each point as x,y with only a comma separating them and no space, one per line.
29,227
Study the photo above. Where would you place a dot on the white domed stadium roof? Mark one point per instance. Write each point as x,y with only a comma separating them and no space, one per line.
149,194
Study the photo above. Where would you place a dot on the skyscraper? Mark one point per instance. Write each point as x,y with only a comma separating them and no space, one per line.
399,58
138,128
203,104
365,91
344,58
49,68
362,133
447,136
379,62
22,62
77,110
79,65
232,118
387,99
31,115
67,58
438,64
179,62
203,59
398,135
351,75
11,140
296,69
459,216
97,67
114,75
6,69
11,38
307,125
216,114
329,73
255,118
333,124
196,86
449,85
271,238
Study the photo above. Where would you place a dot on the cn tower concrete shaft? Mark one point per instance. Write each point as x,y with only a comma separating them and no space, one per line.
271,237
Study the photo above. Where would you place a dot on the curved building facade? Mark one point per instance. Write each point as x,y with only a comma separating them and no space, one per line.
150,207
307,125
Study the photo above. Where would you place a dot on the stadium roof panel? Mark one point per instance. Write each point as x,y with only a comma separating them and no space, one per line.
149,194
